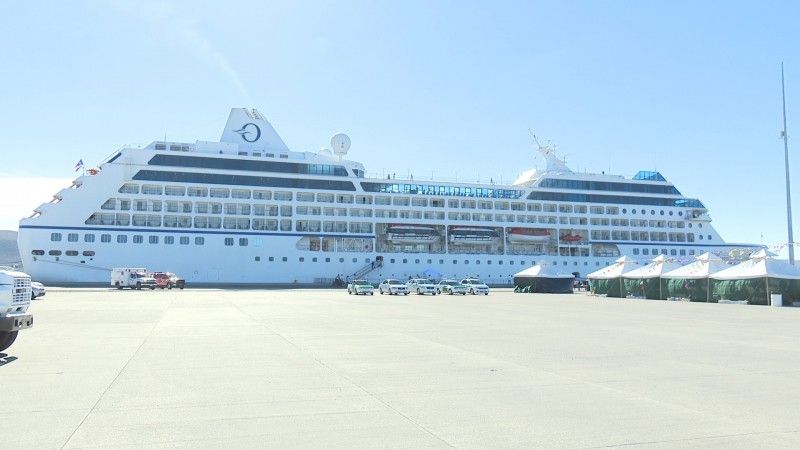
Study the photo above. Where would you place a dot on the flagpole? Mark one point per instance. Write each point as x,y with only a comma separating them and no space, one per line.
786,157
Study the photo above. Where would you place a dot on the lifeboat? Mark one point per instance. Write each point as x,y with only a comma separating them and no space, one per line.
412,234
473,235
571,238
525,235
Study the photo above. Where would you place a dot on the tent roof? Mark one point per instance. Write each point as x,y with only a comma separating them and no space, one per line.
623,265
659,265
757,268
703,266
544,271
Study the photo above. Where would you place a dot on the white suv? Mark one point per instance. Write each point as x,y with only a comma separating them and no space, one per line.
421,286
475,286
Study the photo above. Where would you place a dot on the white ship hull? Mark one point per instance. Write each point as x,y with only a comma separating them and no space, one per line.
246,210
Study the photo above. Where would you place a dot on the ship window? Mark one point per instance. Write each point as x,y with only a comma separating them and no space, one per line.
54,252
88,253
152,239
55,237
283,196
122,239
199,241
184,240
709,237
150,189
219,193
72,237
284,259
129,188
327,260
301,259
271,258
305,196
174,190
37,252
262,195
700,236
138,239
645,251
72,253
240,193
229,241
196,191
105,238
466,261
643,212
169,240
242,242
673,252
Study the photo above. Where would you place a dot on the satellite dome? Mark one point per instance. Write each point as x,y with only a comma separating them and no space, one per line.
325,151
340,143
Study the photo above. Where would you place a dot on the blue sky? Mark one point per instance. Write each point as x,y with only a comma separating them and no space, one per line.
444,89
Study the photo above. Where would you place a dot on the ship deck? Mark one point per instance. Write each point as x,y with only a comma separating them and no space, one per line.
207,368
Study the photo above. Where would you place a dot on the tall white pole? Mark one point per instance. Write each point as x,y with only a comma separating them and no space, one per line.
788,188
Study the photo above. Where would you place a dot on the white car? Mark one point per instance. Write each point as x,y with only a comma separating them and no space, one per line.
421,286
392,287
37,290
475,286
451,287
360,287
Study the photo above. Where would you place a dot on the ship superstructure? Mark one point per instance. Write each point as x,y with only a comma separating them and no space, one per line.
247,210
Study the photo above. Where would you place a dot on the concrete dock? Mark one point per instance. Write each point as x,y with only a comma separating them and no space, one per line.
203,368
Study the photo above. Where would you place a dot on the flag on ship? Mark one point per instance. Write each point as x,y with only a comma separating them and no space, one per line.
79,165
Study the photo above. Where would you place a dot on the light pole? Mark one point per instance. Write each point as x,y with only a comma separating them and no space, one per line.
785,136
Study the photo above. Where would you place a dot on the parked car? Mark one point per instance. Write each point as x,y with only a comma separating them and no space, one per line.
392,287
37,290
360,287
451,287
475,286
168,280
421,286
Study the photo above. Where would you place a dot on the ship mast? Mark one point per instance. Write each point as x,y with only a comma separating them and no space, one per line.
785,136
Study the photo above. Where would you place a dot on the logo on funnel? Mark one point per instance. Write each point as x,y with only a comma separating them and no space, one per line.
244,132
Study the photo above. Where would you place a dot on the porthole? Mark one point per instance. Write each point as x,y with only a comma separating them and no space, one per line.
54,252
661,212
88,253
37,252
72,253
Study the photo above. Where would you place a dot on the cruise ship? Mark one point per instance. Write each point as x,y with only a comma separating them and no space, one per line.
248,211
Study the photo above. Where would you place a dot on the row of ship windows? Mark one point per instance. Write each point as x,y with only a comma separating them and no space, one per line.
170,190
240,223
242,242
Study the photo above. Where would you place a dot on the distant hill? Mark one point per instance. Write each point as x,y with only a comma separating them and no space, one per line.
9,252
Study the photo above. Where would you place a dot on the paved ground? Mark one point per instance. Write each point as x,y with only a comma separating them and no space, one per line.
321,369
